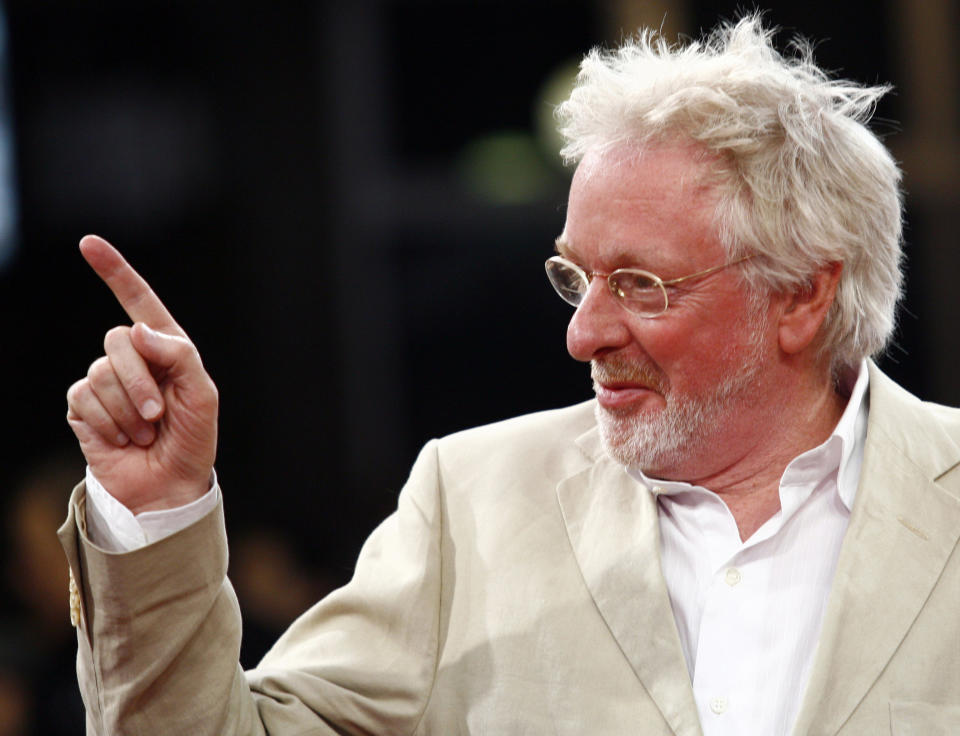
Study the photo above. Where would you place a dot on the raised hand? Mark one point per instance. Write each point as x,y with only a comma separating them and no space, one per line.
146,412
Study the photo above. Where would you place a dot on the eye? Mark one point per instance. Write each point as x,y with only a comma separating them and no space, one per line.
639,291
634,284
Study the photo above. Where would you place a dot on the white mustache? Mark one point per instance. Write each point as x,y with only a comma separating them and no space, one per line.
621,371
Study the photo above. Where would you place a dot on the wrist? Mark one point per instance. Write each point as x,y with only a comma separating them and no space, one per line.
174,496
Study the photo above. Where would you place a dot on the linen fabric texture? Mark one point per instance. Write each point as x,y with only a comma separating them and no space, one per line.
518,590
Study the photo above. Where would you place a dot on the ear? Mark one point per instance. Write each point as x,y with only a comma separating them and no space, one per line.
805,310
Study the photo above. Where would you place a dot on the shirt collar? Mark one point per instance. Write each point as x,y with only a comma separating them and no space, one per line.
852,431
841,453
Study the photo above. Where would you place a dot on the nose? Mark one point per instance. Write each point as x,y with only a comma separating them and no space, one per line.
598,326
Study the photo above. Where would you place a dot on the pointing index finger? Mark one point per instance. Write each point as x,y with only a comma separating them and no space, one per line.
131,290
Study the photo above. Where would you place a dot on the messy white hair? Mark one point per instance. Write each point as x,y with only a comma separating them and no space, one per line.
802,181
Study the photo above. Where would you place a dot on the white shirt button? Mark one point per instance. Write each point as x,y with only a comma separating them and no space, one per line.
718,705
733,576
657,490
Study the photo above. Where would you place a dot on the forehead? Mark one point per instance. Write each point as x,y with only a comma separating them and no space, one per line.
656,206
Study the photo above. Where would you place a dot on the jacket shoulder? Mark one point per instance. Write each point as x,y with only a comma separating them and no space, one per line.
555,439
535,429
947,417
896,403
924,433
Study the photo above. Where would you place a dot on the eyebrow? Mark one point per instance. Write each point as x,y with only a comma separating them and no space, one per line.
562,247
623,256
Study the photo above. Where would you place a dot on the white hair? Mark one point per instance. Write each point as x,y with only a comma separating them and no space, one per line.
802,181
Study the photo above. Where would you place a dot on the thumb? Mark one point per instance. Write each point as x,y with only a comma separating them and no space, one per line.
173,353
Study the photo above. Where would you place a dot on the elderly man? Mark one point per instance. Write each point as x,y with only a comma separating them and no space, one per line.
751,530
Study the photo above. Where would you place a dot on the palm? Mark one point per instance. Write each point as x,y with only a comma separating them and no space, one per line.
182,452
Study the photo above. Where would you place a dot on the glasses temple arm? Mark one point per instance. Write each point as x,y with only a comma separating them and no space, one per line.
722,266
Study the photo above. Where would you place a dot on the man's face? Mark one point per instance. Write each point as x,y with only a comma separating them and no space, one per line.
676,393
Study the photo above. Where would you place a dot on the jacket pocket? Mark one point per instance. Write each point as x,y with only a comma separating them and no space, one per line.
923,719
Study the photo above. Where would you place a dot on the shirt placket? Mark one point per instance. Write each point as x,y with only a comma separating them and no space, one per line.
722,682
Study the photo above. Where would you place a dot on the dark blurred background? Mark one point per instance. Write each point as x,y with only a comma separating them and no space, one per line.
347,205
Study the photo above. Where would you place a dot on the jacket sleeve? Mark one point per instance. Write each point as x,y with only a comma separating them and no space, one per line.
159,633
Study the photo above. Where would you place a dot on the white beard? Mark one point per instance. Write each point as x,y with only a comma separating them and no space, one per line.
657,441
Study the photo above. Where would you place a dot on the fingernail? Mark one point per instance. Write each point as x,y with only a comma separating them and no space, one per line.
144,436
150,409
121,439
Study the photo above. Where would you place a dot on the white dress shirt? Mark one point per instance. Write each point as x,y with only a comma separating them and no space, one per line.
749,613
112,526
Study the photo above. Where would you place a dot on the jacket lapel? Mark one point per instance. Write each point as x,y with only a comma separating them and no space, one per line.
904,525
613,528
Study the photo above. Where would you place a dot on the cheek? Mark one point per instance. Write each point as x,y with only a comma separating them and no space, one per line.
742,354
672,342
695,359
671,351
697,346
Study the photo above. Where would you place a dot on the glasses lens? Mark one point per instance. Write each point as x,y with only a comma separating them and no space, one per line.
570,283
639,291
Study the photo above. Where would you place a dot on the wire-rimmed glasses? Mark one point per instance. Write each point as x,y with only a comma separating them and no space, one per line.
638,291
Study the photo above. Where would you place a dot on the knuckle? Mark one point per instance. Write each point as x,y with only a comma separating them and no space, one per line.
100,369
140,386
115,336
184,349
213,394
207,396
75,392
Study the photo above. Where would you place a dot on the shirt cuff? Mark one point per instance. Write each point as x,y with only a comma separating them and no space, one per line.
112,526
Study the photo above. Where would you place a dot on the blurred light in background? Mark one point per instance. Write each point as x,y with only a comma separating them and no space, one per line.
522,166
8,197
555,89
507,167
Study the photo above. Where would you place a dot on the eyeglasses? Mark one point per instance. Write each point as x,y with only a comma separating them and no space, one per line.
638,291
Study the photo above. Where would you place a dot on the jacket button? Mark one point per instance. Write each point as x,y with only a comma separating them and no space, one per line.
74,602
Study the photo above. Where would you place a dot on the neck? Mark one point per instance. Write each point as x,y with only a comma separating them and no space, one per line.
782,423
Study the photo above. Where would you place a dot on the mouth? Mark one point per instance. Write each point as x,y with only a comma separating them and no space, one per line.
621,386
615,396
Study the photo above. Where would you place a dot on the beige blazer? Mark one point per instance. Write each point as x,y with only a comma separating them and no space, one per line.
518,590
